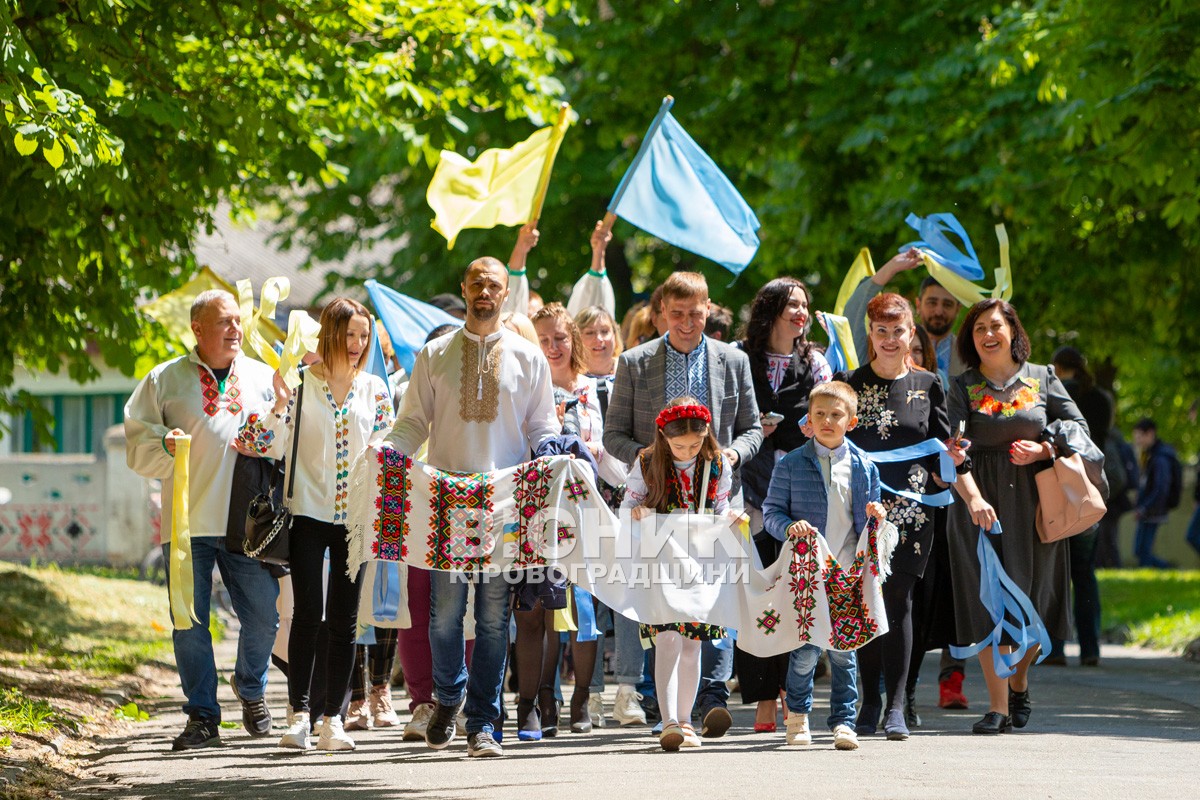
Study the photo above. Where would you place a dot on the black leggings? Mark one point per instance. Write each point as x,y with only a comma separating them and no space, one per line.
888,655
373,663
309,539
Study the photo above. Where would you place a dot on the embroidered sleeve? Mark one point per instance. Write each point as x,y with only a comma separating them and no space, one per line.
821,373
724,485
384,415
636,490
267,433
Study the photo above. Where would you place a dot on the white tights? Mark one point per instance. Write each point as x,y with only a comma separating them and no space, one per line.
676,675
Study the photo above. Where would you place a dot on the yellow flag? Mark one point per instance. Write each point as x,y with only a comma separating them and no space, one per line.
501,187
861,269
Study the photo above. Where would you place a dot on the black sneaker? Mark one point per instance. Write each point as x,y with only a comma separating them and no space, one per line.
442,726
650,707
256,717
198,733
482,745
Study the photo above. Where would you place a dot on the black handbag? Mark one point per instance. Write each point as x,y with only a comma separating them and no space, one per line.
268,521
252,476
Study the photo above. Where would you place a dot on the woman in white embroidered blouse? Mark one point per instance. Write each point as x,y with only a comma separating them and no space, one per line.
536,602
344,410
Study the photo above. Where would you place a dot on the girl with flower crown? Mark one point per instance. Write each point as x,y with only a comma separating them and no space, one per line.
683,470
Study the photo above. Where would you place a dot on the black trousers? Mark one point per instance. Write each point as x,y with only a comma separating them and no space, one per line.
310,539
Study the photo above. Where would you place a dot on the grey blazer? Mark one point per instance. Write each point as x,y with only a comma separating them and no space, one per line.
638,394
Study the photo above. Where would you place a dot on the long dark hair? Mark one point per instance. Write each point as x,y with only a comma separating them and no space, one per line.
662,462
768,304
1019,347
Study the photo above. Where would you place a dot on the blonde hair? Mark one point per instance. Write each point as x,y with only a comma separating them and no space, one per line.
555,312
518,322
839,392
593,314
335,323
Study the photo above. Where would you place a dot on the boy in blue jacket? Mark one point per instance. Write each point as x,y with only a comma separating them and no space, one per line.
827,486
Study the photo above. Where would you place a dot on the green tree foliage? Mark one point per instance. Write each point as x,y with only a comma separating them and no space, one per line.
1073,122
125,121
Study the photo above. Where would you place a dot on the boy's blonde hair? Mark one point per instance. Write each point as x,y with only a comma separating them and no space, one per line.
839,391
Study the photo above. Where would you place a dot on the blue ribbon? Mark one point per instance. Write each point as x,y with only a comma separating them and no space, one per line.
834,354
386,592
585,615
1001,597
913,452
727,642
934,241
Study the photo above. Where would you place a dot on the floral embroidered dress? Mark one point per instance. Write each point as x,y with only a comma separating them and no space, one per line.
684,492
996,417
331,437
893,414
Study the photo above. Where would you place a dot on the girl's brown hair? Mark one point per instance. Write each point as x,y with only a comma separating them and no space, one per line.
890,307
555,312
335,323
662,464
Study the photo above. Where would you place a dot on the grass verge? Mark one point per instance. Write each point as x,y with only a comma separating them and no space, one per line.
1151,608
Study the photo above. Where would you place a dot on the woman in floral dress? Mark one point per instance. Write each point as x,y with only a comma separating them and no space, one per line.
899,404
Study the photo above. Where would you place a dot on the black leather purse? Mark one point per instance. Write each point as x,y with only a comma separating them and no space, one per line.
268,521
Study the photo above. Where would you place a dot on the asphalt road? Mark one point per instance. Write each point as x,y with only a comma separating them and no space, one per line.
1126,729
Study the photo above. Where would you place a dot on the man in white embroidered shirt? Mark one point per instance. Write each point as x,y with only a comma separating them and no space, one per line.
483,398
207,394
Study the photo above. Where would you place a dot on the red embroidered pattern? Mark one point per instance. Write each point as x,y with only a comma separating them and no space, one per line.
459,527
395,487
1025,397
208,387
533,485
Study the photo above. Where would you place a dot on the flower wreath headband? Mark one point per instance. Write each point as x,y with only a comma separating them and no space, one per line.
684,412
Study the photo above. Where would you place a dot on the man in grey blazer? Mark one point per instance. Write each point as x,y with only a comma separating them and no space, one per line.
686,362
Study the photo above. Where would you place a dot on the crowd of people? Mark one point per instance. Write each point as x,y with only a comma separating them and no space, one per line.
675,414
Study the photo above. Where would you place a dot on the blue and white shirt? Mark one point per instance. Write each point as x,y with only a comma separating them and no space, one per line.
687,373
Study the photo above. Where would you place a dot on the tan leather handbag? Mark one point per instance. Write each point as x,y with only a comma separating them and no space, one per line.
1068,503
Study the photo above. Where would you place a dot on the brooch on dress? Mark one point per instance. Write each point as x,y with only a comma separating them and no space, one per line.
915,394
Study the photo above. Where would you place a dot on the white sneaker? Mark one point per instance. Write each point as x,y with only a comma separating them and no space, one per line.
798,734
333,736
356,716
382,713
596,710
297,732
414,731
690,737
626,708
844,738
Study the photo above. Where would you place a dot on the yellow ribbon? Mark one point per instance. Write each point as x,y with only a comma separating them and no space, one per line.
967,292
302,335
183,591
564,618
274,291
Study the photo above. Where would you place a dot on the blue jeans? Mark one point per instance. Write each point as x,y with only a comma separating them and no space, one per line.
843,673
253,591
630,656
447,607
716,667
1143,545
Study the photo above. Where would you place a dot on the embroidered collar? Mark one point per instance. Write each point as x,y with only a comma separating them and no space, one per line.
212,391
491,337
1021,375
698,350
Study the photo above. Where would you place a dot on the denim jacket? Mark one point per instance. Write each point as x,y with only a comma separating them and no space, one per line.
798,490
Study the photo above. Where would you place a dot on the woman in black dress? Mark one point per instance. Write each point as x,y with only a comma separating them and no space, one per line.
899,404
785,367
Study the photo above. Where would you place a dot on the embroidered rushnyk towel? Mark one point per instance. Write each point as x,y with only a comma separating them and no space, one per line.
546,514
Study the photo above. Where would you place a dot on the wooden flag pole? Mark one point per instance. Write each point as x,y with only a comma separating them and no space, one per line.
560,128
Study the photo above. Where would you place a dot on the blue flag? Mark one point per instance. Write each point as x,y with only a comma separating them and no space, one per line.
674,191
376,362
406,320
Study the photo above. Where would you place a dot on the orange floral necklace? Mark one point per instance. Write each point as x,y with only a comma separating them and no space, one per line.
985,403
